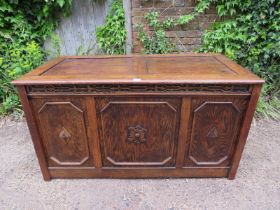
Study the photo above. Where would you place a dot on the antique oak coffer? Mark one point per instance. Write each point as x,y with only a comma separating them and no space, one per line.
139,116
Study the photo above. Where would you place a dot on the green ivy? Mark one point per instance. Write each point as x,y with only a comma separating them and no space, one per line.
111,37
251,38
15,63
249,34
24,25
22,21
155,41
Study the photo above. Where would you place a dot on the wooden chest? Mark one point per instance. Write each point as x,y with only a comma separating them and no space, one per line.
139,116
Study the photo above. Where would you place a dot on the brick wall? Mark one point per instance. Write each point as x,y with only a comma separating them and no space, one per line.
188,37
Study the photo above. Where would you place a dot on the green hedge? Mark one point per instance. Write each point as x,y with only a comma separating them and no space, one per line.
111,37
251,37
24,25
249,34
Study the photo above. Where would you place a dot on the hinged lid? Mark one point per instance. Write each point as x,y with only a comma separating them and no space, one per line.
140,69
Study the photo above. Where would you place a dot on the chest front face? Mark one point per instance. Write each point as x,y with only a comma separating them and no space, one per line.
146,119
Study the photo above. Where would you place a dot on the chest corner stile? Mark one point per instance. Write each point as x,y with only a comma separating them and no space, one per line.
137,116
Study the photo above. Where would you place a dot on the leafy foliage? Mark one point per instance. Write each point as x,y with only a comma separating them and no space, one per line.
15,63
252,38
24,25
249,34
155,41
22,21
111,37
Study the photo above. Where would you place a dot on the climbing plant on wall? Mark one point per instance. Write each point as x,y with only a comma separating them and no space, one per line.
248,34
251,36
24,25
155,41
111,37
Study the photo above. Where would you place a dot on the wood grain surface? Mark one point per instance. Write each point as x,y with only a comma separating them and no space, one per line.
139,116
141,69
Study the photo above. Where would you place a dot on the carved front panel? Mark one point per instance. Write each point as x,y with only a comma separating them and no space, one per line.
138,131
63,130
214,129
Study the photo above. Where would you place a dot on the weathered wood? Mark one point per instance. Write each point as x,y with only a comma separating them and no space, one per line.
128,25
77,32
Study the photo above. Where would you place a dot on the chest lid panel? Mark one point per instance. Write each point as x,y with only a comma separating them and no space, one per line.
140,69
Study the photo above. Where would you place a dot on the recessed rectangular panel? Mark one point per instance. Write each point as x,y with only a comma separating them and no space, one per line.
86,66
63,131
138,132
186,65
215,124
141,69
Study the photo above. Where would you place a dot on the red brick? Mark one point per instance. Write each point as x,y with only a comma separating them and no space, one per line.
137,42
137,49
192,25
180,33
135,3
163,3
187,48
134,36
140,11
176,11
190,3
182,48
187,36
191,48
191,41
137,12
171,34
179,3
186,41
204,25
193,33
206,18
137,20
211,10
147,4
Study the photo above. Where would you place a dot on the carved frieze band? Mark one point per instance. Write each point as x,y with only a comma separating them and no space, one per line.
123,88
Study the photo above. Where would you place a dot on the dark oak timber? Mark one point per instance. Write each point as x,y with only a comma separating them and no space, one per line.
245,130
139,116
34,132
183,132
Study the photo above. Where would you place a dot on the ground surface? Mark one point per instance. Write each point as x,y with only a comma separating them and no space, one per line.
257,185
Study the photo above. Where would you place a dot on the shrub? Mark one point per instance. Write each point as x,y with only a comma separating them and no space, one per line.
111,37
252,39
248,34
155,41
15,63
24,25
